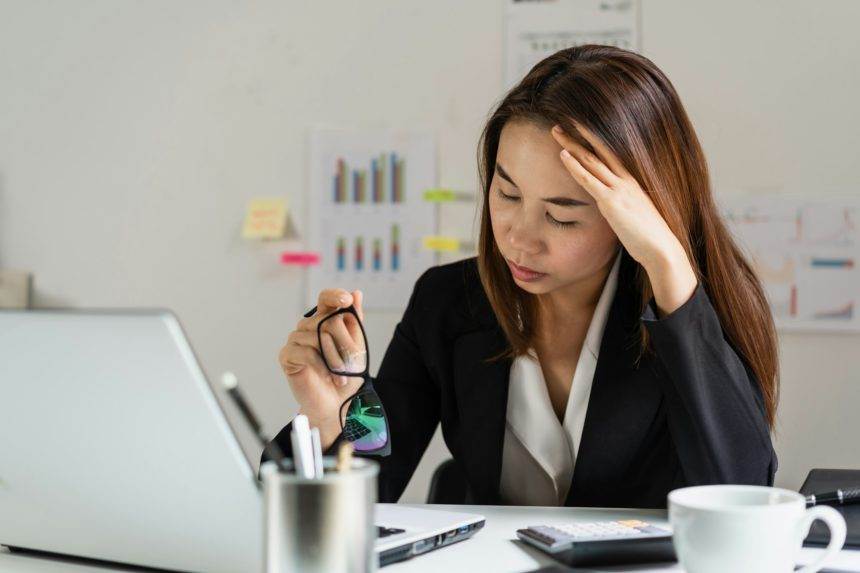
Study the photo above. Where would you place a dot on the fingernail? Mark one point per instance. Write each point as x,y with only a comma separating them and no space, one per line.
565,153
343,299
556,128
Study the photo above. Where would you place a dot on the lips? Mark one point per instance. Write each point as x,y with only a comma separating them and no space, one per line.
524,273
526,269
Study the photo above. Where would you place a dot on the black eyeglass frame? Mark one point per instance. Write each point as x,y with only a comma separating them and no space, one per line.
367,381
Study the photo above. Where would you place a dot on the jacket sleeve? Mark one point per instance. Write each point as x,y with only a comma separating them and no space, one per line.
716,409
409,396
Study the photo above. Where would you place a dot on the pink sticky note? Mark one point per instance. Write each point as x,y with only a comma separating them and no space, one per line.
300,258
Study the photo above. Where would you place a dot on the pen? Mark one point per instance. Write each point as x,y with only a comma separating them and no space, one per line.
317,450
231,383
303,454
298,459
837,497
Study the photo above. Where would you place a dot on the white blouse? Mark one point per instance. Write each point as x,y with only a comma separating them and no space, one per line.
539,452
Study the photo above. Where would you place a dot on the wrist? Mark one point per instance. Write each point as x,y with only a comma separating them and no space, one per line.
666,261
672,279
328,437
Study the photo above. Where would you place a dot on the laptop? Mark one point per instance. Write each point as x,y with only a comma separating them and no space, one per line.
113,446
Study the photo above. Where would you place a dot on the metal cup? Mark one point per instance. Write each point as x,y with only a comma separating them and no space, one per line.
323,525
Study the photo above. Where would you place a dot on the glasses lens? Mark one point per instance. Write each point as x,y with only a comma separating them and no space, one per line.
365,425
342,344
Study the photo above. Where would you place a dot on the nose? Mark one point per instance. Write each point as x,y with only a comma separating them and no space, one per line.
523,237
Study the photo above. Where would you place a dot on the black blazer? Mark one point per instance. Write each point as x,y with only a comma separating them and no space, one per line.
690,413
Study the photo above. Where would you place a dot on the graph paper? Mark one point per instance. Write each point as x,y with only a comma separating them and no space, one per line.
367,216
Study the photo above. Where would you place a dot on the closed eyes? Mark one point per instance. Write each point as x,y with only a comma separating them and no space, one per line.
552,220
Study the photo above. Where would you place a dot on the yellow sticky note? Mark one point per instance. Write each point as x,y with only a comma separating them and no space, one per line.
436,243
265,219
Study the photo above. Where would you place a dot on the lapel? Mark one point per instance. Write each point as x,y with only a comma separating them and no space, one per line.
481,391
623,402
482,397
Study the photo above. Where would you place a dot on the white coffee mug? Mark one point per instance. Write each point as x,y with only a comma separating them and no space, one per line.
743,528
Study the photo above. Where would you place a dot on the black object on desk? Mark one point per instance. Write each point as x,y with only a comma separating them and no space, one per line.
839,496
602,543
820,480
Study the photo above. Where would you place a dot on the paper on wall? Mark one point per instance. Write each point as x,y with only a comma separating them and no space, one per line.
535,29
805,251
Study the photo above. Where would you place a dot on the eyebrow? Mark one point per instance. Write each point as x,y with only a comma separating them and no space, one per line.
560,201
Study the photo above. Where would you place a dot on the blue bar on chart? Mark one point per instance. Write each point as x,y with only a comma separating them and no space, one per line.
377,255
837,263
341,254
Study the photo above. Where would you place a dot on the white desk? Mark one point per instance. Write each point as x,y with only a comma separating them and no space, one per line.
494,548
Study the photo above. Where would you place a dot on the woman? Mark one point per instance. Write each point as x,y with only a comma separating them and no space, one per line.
609,343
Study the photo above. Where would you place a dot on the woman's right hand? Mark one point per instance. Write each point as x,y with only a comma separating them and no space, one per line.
320,393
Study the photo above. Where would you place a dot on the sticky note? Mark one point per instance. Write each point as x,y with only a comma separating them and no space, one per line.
300,258
15,289
265,219
437,243
441,195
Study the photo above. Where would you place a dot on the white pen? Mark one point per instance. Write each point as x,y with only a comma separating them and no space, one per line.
298,464
318,457
303,455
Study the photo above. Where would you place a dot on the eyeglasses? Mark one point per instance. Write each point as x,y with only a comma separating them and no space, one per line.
344,350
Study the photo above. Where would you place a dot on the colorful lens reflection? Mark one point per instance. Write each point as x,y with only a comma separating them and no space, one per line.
365,424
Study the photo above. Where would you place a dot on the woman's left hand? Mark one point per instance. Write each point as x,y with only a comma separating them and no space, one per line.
632,215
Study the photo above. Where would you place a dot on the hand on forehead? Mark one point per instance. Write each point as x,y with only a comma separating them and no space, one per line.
527,160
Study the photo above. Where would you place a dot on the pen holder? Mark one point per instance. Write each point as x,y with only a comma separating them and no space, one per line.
320,525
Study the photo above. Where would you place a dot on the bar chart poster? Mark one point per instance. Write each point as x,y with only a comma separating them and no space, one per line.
367,214
806,252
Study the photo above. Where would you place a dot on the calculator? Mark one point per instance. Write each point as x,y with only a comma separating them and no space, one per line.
602,542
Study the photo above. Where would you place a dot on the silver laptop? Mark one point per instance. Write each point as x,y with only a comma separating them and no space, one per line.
114,447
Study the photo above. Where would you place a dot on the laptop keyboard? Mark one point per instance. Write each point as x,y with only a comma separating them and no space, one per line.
355,430
386,531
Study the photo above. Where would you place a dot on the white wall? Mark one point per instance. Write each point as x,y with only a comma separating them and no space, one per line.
133,133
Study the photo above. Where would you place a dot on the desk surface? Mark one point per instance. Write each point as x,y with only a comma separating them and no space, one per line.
494,548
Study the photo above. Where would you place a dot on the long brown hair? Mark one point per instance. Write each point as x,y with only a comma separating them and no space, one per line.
628,103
